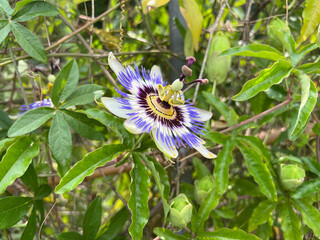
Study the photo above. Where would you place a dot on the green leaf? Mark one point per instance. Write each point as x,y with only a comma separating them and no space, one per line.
316,129
281,30
16,161
311,19
5,143
60,142
83,125
83,95
255,50
261,214
115,123
30,121
161,178
192,14
310,67
87,165
34,9
65,83
221,169
29,42
290,222
12,209
264,81
227,234
43,191
5,7
297,57
31,228
166,234
227,112
307,188
310,215
217,137
5,121
205,209
92,219
139,195
200,168
30,178
313,166
5,28
116,225
70,236
20,4
308,101
258,170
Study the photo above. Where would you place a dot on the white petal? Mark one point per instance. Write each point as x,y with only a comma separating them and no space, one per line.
204,115
168,151
204,152
156,72
115,107
115,65
132,127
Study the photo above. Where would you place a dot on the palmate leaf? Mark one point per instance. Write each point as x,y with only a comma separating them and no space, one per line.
161,178
5,28
92,219
139,195
83,95
16,161
227,112
166,234
12,209
309,97
261,214
255,50
290,222
267,77
60,142
307,188
209,203
227,234
34,9
311,19
221,169
310,214
83,125
31,228
30,121
5,7
29,42
258,170
87,165
65,83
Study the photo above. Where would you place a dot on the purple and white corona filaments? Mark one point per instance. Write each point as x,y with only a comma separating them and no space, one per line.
154,107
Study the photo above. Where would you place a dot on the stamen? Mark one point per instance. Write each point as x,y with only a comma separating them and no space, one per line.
190,61
186,71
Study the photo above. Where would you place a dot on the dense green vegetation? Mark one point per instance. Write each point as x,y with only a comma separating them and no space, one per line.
90,149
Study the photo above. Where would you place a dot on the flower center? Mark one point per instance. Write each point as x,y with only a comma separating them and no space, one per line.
172,94
161,108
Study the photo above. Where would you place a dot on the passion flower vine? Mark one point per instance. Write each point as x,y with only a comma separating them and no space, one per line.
154,107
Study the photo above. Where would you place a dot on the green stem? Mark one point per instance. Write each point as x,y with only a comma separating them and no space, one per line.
18,76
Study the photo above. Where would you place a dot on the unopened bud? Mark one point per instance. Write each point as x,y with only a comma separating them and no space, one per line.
186,71
204,81
190,61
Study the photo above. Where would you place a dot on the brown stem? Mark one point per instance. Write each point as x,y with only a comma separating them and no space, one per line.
287,101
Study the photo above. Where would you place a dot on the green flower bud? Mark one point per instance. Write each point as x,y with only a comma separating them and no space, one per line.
202,188
292,176
180,211
51,78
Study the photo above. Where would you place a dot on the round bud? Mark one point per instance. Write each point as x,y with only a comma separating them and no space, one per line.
186,70
292,176
177,85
